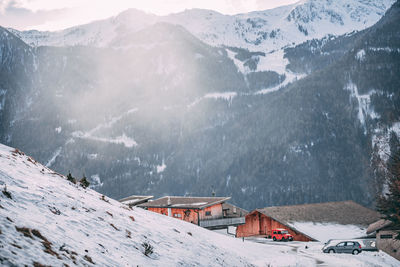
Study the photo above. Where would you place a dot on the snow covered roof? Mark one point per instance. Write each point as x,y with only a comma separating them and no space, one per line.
378,225
184,202
135,200
345,213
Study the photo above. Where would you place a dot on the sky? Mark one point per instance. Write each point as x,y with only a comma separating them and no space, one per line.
60,14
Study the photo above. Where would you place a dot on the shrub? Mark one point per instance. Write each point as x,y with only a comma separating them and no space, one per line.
84,182
70,178
6,193
148,249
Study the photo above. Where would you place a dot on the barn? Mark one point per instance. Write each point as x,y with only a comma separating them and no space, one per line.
386,233
208,212
311,222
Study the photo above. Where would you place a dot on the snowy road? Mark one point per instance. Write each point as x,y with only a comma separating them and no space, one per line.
313,250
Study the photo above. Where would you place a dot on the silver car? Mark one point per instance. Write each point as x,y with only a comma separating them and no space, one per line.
344,247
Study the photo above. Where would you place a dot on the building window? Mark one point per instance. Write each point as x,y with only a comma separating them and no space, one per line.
208,213
386,236
177,215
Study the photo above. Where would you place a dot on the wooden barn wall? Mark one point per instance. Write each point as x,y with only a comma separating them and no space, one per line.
260,224
216,212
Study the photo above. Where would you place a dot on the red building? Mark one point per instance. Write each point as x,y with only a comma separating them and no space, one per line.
260,222
257,223
208,212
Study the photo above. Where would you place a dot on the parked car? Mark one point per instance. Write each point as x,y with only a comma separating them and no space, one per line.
281,234
367,244
352,247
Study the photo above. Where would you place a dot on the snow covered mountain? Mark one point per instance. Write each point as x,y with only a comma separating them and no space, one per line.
257,31
46,220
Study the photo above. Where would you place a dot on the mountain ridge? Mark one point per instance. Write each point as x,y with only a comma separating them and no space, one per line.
258,31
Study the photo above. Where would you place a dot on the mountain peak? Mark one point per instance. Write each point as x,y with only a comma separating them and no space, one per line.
257,31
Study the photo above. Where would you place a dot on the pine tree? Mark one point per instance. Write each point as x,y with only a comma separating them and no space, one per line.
84,182
389,203
70,178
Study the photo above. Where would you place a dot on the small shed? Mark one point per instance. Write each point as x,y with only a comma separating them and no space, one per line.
386,235
311,222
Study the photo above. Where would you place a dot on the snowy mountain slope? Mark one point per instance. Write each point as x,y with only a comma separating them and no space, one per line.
52,221
48,220
273,29
258,31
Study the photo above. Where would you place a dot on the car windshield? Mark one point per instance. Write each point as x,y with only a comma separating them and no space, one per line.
285,232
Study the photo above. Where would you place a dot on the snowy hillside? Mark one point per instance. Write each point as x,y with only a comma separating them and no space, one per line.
46,219
259,31
50,220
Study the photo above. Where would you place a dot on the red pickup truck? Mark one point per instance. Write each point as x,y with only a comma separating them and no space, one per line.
281,234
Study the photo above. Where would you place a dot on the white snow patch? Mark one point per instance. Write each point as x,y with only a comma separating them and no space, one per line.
199,203
290,77
360,56
112,121
194,103
384,49
161,168
239,64
325,231
54,157
123,139
228,96
95,181
364,103
58,129
273,61
228,180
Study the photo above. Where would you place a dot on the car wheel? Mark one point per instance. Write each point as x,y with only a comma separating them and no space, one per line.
331,251
355,252
274,238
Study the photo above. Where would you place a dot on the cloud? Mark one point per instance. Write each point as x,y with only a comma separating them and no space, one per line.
267,4
13,15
